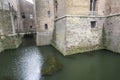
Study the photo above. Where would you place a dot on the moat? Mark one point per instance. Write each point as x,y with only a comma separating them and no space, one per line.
25,63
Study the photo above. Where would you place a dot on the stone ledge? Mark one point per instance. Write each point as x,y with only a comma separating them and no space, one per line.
85,16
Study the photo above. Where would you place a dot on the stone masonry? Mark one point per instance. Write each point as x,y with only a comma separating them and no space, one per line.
79,25
27,15
9,21
44,21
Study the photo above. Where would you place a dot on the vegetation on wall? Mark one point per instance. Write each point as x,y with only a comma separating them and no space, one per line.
104,37
54,37
10,42
51,66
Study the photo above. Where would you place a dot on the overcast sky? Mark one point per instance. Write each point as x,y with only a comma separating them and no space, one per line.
31,1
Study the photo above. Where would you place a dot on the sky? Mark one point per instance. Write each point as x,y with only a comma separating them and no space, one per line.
31,1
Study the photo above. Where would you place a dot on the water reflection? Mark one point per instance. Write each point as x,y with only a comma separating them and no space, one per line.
29,64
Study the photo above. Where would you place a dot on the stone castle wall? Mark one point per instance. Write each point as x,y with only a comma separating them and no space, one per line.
9,11
112,7
10,42
78,7
44,21
60,35
73,31
75,34
82,7
112,25
28,9
81,37
112,29
6,25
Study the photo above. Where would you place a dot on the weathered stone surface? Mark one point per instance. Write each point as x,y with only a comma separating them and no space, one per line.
6,25
44,38
60,35
112,7
28,9
113,33
73,32
10,17
82,7
44,21
75,35
10,42
80,37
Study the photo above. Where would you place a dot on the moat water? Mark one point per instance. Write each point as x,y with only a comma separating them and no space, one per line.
25,62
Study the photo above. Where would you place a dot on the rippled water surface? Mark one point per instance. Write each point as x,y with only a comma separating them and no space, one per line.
25,63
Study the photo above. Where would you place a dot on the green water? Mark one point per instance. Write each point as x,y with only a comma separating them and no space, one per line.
25,63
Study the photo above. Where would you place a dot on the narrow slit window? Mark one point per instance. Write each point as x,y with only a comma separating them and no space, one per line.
93,24
93,5
49,13
46,26
56,5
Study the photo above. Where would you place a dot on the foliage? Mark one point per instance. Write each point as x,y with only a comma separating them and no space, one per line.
51,66
103,37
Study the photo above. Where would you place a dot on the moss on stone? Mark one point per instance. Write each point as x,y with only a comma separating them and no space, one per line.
74,50
51,66
104,37
10,42
61,51
54,37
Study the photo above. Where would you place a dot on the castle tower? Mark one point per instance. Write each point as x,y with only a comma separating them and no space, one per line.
44,21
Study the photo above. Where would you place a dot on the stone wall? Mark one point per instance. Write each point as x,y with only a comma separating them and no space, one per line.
6,22
9,16
74,31
28,9
81,37
60,35
61,8
112,29
112,25
78,7
101,7
82,7
75,35
10,42
112,7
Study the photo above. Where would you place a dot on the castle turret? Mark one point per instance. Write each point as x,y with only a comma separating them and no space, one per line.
44,21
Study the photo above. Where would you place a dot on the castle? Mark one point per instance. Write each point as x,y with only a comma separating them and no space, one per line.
76,26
